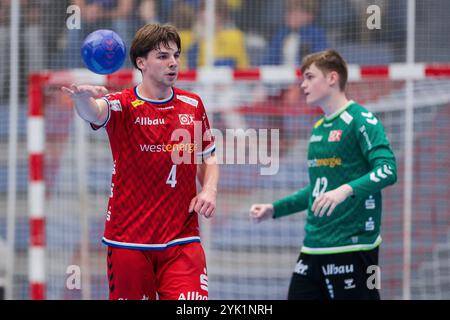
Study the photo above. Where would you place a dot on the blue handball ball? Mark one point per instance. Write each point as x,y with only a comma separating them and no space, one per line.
103,51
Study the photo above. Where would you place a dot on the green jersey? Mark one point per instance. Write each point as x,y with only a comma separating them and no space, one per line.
348,147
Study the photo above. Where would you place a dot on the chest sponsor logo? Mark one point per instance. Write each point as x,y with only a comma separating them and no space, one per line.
335,136
186,119
147,121
171,147
332,269
326,162
315,138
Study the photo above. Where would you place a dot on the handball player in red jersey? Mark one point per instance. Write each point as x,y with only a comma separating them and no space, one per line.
161,142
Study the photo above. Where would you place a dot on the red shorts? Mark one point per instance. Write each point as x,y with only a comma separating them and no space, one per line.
175,273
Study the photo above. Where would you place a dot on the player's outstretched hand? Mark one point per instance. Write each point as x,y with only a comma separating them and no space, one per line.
329,200
204,203
85,90
260,212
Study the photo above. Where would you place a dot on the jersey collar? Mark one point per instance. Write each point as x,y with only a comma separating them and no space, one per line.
136,92
339,111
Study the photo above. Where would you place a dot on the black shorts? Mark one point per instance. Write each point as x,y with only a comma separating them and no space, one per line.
352,275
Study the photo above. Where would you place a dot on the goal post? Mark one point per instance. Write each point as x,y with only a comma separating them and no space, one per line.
67,199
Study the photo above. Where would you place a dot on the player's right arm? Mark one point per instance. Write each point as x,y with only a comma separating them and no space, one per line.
293,203
89,108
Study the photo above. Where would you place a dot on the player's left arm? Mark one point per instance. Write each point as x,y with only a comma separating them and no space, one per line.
376,149
208,175
204,202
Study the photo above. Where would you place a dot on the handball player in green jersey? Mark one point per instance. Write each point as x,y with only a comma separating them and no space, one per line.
349,162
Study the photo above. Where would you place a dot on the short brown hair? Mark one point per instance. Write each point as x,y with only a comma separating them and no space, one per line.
150,37
326,61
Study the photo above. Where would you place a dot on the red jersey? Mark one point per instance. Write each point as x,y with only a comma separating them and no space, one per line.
156,146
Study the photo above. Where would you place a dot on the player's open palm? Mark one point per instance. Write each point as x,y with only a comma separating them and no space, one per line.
85,90
260,212
204,203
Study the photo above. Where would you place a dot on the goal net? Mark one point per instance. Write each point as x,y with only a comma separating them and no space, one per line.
247,260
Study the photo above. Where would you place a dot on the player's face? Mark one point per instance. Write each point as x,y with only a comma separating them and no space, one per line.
161,65
315,86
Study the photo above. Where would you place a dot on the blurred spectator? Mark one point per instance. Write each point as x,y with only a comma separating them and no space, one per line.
234,8
97,14
360,7
229,47
349,18
54,15
346,25
432,25
262,17
259,19
147,11
298,37
166,7
393,25
396,27
4,47
144,11
183,18
341,20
